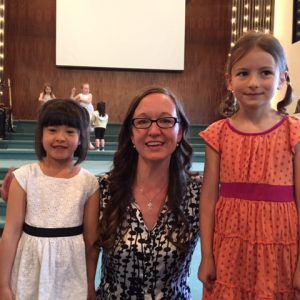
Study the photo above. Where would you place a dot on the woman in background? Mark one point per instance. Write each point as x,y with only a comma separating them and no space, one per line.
85,99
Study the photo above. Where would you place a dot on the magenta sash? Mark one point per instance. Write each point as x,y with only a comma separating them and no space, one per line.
258,192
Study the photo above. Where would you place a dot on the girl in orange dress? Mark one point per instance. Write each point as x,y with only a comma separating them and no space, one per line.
251,191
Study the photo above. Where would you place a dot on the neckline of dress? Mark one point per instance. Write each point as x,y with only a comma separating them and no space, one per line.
256,133
58,178
141,218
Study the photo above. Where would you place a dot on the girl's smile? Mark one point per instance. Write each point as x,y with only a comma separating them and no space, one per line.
60,142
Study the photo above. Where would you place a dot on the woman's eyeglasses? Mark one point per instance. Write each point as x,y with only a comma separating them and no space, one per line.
145,123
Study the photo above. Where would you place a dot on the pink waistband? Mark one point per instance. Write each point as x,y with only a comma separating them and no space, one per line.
258,192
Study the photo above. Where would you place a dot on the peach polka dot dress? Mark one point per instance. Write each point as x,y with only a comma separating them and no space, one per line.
256,219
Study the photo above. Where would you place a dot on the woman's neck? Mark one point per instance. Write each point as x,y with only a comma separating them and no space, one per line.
152,175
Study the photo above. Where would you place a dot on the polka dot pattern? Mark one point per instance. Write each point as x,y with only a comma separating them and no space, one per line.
255,242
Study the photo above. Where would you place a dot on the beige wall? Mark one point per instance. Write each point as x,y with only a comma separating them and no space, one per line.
283,31
30,61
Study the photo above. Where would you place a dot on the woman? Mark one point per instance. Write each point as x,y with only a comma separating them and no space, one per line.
85,99
149,204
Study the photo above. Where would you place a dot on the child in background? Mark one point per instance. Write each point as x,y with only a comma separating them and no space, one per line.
251,190
47,93
85,99
6,183
297,110
47,250
99,122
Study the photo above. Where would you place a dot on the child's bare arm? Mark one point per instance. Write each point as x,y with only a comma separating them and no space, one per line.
15,216
91,236
209,196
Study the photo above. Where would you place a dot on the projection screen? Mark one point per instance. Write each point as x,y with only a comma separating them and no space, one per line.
124,34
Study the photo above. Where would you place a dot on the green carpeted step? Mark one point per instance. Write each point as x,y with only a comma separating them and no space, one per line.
29,144
29,154
2,223
2,214
2,207
108,138
3,171
23,126
30,136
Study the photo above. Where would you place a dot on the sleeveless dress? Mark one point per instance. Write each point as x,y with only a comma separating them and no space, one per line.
256,219
52,268
47,97
88,106
144,264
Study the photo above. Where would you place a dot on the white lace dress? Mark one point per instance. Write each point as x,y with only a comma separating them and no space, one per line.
52,268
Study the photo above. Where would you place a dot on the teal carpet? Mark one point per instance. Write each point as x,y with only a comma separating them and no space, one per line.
17,150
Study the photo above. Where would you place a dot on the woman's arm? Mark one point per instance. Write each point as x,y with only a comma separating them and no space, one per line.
91,236
208,199
15,216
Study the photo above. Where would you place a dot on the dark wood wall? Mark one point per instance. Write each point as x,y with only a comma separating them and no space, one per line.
30,61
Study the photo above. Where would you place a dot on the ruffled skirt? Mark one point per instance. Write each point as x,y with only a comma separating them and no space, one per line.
255,250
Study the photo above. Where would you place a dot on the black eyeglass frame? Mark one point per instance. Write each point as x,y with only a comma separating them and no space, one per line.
154,121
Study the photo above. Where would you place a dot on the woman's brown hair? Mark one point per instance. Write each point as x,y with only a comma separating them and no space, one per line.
123,174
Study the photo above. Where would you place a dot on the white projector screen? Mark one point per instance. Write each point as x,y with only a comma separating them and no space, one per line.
130,34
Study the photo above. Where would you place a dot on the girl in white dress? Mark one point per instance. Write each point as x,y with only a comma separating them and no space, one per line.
48,250
85,99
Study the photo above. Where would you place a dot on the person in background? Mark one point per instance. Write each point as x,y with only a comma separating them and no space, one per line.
85,99
6,183
249,207
47,250
149,220
47,93
297,110
99,122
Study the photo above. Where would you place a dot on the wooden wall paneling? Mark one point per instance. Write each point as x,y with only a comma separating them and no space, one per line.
30,61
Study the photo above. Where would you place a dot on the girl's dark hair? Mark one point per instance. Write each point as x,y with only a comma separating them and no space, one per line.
246,43
122,177
101,108
63,112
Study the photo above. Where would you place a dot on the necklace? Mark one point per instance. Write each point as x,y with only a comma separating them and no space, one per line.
150,200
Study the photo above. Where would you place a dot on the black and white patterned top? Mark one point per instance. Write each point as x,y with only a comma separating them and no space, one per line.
144,264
